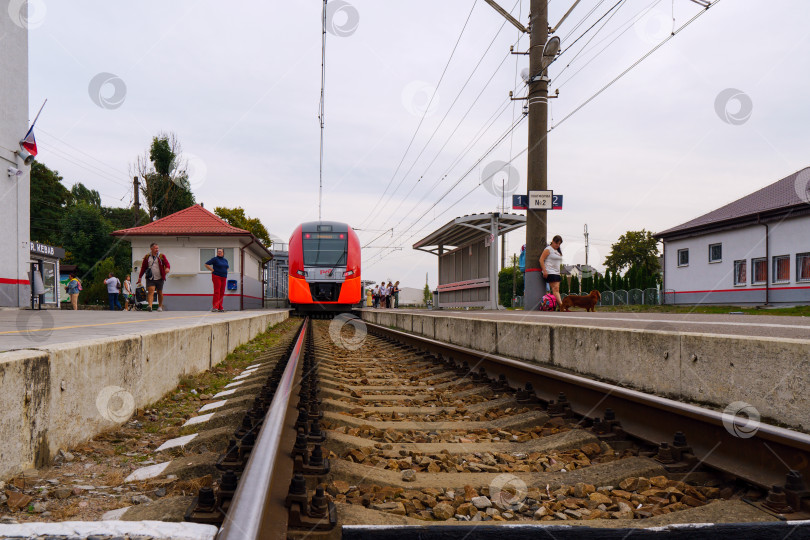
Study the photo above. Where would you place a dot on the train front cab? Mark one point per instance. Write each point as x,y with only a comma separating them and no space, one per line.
324,271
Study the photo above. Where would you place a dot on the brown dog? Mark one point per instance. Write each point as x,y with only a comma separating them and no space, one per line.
588,301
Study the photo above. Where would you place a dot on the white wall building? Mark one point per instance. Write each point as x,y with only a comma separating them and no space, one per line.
755,250
189,238
14,190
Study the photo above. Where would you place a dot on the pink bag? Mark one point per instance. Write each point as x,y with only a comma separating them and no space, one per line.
548,302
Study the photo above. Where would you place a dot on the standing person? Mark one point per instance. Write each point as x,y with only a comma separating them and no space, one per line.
219,275
376,296
396,294
369,294
128,297
74,286
389,291
113,290
550,262
156,267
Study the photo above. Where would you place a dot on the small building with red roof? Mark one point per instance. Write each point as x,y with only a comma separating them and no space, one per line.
188,239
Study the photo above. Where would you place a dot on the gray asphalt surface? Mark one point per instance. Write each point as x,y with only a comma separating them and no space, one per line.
774,326
33,329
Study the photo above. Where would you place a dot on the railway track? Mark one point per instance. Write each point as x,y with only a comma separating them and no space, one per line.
386,434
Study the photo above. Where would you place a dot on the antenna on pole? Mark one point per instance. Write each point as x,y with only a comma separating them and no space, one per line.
321,110
586,244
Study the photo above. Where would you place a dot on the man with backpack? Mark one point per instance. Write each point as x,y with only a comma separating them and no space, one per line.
156,267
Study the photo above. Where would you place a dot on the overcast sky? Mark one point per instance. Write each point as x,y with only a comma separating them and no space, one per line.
239,85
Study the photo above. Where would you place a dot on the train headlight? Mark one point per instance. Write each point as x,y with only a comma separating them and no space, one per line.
349,273
301,273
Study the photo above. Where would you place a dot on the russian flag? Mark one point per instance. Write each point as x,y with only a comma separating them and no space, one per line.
29,142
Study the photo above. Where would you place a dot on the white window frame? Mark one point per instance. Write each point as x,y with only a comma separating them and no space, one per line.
799,257
679,257
745,267
712,261
232,261
774,259
754,273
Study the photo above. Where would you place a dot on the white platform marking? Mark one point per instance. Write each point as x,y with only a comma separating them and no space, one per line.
145,473
254,366
179,441
214,405
244,375
198,419
225,393
234,384
83,529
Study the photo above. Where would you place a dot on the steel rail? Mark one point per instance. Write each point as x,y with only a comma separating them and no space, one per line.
759,453
257,509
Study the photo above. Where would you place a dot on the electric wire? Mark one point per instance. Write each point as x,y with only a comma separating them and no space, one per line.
446,114
634,64
424,114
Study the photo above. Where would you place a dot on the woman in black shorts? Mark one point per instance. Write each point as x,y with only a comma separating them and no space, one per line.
550,263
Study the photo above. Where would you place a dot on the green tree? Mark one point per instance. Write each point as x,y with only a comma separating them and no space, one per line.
505,279
49,198
574,285
165,187
634,248
426,295
79,193
237,218
124,218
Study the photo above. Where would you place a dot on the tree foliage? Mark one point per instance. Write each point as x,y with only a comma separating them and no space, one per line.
237,218
165,179
634,248
79,193
49,198
506,277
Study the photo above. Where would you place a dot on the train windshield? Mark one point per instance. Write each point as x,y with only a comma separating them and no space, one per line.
325,249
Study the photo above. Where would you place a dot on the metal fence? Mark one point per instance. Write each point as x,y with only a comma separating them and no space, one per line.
649,297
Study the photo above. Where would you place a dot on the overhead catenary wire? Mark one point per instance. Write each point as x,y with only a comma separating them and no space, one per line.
447,113
634,64
424,114
627,26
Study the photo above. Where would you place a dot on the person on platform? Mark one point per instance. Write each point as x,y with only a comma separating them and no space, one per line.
389,295
396,294
129,297
550,262
156,267
219,275
113,290
74,286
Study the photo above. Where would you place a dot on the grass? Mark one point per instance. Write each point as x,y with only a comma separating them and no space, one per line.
796,311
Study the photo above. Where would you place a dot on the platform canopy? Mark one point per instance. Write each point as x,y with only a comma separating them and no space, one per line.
466,229
467,248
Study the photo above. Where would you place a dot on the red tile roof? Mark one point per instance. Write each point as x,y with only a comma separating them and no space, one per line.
192,221
788,192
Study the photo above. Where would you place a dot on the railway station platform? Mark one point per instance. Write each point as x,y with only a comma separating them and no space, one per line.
718,361
69,375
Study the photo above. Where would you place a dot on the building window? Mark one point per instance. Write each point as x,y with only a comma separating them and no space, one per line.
683,257
759,270
206,254
715,253
781,269
803,267
739,272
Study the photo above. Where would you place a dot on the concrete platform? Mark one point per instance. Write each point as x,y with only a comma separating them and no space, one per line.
715,360
692,323
32,329
76,374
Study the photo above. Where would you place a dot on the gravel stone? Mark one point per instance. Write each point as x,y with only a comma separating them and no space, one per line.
481,502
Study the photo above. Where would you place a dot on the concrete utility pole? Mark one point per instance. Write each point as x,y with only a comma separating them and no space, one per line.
536,220
136,200
586,244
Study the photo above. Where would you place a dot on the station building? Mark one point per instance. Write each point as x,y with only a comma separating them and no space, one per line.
755,250
191,237
15,290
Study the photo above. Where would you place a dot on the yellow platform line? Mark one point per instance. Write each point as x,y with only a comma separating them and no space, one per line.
100,324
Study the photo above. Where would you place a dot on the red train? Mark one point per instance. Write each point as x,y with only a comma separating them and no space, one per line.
324,272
